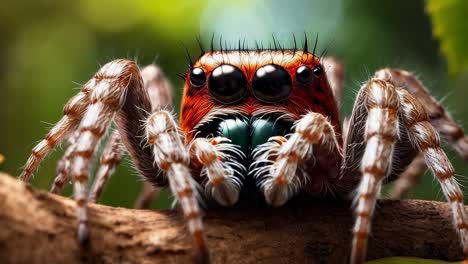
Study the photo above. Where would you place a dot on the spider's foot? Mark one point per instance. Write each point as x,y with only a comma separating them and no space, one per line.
221,163
202,254
277,192
83,235
226,192
203,258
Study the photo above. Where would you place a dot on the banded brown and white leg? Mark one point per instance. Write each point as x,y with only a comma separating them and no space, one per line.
409,178
110,159
108,95
63,166
381,132
117,88
426,139
221,169
172,157
438,116
72,114
278,164
158,87
160,95
159,90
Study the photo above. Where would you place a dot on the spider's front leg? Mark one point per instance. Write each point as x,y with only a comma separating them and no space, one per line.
160,92
172,157
381,131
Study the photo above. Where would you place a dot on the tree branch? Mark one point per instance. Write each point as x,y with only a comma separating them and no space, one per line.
38,227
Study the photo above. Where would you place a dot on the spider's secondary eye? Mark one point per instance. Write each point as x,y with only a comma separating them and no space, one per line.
304,74
197,77
317,71
227,84
271,84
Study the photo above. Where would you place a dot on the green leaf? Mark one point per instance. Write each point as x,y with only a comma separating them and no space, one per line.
450,26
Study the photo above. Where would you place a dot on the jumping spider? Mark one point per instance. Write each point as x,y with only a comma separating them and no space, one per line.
257,124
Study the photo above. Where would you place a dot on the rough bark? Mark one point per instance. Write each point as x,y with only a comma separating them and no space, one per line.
38,227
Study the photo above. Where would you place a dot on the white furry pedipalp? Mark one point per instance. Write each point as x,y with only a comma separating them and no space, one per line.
219,167
282,174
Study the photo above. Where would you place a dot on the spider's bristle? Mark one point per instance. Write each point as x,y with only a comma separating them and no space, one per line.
306,47
295,45
212,42
182,76
274,42
221,43
315,45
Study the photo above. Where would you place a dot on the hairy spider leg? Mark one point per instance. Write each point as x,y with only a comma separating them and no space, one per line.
117,88
449,129
381,132
159,91
386,106
109,160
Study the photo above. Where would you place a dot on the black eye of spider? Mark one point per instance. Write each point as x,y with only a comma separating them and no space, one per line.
271,84
304,74
317,71
197,77
227,84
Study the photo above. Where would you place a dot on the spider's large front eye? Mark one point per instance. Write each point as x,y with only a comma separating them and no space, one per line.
227,84
197,77
271,84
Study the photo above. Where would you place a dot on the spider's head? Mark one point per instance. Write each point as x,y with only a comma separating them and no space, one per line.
283,84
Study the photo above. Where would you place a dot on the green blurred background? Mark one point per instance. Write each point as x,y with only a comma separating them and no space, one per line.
49,47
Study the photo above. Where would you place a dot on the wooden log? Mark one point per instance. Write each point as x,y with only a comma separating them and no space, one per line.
38,227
